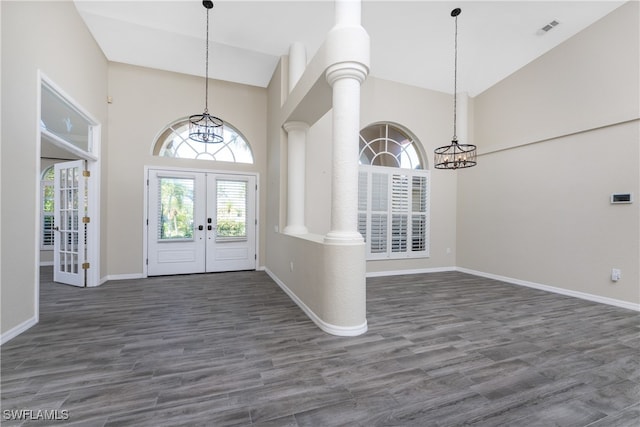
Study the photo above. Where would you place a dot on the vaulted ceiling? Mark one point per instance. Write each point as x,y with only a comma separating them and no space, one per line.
411,41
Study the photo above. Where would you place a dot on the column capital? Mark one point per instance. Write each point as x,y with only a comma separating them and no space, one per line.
295,126
346,70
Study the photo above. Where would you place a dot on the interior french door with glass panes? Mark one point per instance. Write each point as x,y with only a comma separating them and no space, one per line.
70,219
200,222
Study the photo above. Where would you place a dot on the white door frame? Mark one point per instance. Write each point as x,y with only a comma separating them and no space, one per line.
145,216
93,185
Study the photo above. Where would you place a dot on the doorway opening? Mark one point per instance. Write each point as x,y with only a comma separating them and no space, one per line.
69,141
200,222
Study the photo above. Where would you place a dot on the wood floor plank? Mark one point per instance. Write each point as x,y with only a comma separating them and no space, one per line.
232,349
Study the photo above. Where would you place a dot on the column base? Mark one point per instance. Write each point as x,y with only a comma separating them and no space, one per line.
343,238
295,229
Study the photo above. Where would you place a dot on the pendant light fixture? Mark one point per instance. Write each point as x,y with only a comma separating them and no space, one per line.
455,156
205,127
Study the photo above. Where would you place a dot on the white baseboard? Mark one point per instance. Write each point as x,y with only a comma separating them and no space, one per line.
122,277
342,331
561,291
17,330
413,271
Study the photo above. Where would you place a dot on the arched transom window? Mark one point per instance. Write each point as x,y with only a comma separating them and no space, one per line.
384,144
174,142
393,194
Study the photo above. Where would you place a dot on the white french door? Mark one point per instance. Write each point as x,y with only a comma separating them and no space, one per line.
70,216
231,222
200,222
175,231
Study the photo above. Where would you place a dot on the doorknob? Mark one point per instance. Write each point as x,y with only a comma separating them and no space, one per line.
56,228
201,227
209,227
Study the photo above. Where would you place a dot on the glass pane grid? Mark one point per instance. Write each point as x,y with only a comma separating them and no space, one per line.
175,142
387,145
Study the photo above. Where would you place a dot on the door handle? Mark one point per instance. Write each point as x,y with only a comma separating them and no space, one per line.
56,228
209,227
201,227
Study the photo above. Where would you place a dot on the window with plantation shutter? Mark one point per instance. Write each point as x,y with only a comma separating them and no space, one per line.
231,208
393,202
46,212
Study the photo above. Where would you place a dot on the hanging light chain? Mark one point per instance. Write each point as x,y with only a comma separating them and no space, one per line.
205,127
455,156
455,79
206,70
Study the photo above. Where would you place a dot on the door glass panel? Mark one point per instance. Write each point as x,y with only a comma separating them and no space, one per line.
231,210
69,231
176,210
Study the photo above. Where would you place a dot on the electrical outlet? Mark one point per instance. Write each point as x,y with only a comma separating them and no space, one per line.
616,274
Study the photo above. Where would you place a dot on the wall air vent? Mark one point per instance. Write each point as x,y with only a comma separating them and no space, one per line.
548,27
621,198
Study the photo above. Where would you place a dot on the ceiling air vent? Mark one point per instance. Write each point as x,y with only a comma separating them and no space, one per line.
548,27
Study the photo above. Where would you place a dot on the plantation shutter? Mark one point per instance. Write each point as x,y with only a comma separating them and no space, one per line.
231,208
399,212
47,213
393,212
363,191
419,213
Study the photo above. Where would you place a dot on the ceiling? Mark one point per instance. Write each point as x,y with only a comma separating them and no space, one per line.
411,41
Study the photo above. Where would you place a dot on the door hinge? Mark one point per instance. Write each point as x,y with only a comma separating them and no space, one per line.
255,256
85,265
86,174
147,182
256,221
86,220
147,261
147,221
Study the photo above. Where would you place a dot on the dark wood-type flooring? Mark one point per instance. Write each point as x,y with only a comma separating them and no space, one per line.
443,349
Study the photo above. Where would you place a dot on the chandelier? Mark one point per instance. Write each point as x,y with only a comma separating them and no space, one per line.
205,127
455,156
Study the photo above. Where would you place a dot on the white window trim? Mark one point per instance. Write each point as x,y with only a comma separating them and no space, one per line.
366,227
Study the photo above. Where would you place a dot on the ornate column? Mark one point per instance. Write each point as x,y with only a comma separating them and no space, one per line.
296,170
345,79
297,63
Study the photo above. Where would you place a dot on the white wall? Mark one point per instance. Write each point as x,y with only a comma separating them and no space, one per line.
558,137
51,37
144,102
